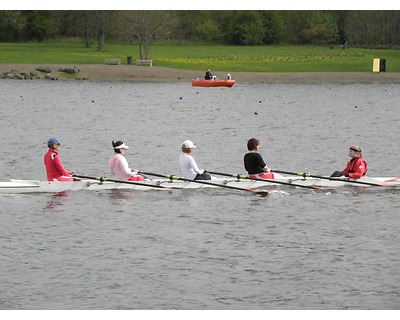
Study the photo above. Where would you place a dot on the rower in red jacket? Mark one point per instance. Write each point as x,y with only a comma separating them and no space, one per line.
54,167
357,166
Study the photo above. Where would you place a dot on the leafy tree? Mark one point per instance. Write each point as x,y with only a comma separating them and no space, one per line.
207,29
321,28
77,23
40,25
187,24
275,28
362,28
11,25
295,22
245,28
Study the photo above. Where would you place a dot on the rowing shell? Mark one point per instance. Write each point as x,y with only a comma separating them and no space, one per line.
33,186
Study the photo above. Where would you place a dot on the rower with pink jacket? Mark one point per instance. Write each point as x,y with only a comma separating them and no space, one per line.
119,165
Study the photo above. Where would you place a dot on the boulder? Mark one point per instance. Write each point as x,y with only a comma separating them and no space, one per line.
69,70
44,69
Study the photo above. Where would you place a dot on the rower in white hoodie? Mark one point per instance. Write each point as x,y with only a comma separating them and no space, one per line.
188,165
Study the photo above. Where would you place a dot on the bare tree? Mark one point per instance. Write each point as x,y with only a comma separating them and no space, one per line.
148,25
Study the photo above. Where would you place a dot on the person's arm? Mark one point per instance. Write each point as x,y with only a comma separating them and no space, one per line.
194,166
59,166
266,169
125,166
262,163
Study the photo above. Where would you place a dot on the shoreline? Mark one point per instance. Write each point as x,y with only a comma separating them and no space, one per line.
132,73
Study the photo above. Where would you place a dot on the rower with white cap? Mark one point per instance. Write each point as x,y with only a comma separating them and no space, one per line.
187,164
119,165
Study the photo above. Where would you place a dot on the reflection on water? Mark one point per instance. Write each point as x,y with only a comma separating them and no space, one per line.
55,202
120,197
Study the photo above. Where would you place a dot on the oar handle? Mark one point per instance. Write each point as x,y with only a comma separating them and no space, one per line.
233,175
301,174
308,175
104,179
267,180
207,182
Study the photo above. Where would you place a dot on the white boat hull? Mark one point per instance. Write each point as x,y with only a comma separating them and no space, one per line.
35,186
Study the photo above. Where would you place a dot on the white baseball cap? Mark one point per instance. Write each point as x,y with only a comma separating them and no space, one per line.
188,144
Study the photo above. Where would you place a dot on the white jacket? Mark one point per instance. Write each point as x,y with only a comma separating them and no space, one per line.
189,168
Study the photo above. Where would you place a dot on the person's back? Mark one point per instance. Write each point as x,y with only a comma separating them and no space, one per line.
208,75
119,166
254,163
188,166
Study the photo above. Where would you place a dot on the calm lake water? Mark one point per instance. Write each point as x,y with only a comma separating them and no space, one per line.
199,249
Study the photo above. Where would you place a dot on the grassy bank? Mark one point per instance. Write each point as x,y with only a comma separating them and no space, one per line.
216,57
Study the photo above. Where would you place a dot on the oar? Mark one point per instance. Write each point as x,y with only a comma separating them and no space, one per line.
172,177
104,179
305,175
239,176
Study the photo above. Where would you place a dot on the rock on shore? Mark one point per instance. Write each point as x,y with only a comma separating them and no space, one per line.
39,73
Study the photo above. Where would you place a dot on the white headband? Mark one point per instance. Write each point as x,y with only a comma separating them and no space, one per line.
122,146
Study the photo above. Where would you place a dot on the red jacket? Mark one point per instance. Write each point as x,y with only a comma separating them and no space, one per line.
54,167
356,168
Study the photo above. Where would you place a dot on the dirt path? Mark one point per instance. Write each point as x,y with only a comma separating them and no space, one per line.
130,73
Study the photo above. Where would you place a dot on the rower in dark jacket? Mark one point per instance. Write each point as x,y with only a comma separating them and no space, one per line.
208,75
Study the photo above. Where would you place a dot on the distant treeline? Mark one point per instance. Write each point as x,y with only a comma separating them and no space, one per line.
359,28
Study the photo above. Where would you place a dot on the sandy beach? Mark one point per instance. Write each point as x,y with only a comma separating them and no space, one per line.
131,73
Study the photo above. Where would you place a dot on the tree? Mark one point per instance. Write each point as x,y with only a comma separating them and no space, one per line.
40,25
11,25
103,19
207,29
245,28
77,23
373,28
147,25
275,27
321,28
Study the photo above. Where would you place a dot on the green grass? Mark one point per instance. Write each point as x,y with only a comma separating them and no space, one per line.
216,57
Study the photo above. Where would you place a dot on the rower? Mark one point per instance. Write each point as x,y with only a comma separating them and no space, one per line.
254,163
119,165
357,166
54,167
188,165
